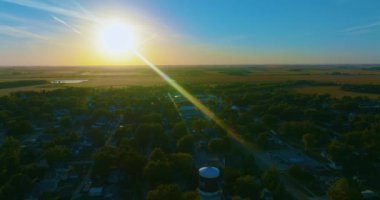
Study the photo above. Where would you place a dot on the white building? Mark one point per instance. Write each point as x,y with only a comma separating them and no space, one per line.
209,188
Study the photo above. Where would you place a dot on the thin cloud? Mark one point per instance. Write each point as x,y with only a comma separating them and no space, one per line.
14,19
50,8
61,21
363,28
19,33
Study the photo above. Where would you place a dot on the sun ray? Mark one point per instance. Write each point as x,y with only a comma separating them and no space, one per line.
206,111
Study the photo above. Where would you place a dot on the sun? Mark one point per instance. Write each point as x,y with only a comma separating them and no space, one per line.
115,39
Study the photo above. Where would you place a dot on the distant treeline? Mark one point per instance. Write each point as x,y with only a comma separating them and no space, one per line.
377,68
23,83
308,83
374,89
235,72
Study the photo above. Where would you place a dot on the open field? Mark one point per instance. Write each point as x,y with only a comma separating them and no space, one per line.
142,75
334,91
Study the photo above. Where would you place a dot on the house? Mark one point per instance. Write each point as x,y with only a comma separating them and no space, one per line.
266,194
235,108
87,185
62,173
47,185
95,192
369,105
201,145
42,164
115,177
73,175
189,112
335,166
369,194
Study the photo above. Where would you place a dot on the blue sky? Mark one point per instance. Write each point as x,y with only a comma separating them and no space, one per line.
41,32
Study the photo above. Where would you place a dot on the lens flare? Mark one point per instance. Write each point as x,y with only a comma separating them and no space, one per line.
206,111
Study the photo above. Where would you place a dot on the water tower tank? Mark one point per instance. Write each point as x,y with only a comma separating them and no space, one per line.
209,178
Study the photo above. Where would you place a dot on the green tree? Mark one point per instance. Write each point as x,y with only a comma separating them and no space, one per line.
262,139
33,171
199,125
183,162
51,131
148,133
16,188
151,118
297,172
245,186
270,178
4,117
308,140
132,162
96,136
16,128
66,121
281,193
216,145
167,192
158,155
269,120
123,132
56,154
340,152
191,195
104,160
296,129
179,130
9,158
256,127
342,189
186,143
159,172
239,198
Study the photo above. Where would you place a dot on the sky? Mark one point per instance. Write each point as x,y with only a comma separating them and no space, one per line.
192,32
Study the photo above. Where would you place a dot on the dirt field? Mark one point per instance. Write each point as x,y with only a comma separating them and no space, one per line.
142,75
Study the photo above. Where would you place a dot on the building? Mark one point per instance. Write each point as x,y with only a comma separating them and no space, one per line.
369,194
95,192
209,184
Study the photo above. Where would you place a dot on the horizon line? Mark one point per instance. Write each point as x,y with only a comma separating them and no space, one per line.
195,65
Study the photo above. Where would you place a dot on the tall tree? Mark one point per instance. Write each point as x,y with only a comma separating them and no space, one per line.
179,130
245,186
9,158
216,145
159,172
271,178
96,136
167,192
185,144
343,189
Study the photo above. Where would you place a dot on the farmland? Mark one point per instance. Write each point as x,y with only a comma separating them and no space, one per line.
104,77
334,91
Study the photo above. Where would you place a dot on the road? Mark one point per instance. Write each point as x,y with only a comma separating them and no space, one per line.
293,187
108,143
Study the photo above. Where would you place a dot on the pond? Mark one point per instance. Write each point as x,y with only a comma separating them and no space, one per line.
67,81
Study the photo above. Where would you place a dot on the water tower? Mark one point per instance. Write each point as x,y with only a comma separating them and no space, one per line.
209,189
